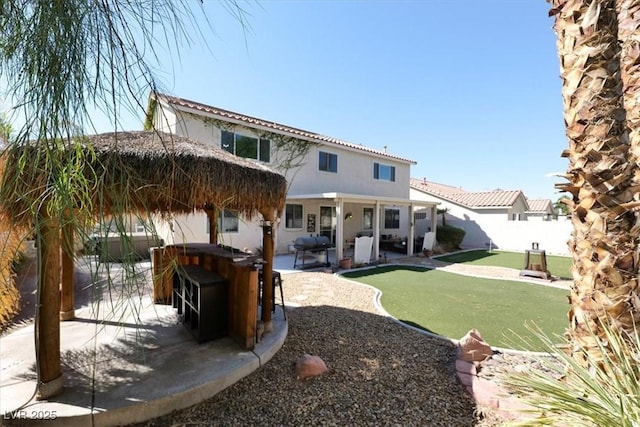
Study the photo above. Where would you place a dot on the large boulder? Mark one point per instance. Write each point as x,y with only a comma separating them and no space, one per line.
308,366
472,348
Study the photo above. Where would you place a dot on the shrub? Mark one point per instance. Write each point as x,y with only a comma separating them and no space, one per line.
11,257
450,236
603,393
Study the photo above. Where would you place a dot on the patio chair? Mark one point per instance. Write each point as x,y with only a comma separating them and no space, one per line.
429,240
362,250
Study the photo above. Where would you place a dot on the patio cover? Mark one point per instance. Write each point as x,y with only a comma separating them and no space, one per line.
339,199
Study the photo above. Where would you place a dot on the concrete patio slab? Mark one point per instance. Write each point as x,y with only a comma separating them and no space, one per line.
124,363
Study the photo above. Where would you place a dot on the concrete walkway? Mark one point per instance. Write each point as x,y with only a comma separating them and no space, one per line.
490,272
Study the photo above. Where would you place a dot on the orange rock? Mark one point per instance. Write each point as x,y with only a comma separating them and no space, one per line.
308,366
472,348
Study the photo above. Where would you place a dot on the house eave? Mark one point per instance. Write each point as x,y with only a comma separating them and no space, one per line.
490,207
274,128
360,198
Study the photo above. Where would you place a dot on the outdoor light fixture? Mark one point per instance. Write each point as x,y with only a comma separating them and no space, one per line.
266,226
348,216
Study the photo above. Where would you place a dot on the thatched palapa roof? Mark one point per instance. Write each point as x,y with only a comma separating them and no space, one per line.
158,172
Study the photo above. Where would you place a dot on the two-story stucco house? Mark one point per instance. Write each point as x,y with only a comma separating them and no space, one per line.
336,189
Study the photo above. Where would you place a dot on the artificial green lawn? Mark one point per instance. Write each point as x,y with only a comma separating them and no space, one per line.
559,266
450,304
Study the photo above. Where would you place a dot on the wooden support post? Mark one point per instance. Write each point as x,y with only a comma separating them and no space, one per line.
67,309
412,230
212,214
267,268
242,303
162,274
48,319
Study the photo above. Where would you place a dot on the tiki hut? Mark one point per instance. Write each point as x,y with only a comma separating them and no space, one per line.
126,172
162,172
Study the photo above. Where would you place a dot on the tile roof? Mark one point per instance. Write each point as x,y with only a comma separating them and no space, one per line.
275,127
539,205
470,199
435,188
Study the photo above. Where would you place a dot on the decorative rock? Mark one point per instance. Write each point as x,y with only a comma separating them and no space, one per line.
308,366
472,348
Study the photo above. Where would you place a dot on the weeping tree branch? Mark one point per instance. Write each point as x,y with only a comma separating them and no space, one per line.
59,61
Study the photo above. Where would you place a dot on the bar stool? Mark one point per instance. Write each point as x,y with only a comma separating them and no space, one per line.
277,282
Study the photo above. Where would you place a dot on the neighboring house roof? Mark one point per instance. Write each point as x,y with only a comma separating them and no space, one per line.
435,188
469,199
185,104
540,205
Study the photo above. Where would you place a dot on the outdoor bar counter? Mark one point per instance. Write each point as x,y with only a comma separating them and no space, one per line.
238,269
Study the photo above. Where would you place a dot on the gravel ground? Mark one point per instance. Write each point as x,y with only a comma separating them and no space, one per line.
380,373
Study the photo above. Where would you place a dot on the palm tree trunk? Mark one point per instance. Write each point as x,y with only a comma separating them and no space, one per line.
599,173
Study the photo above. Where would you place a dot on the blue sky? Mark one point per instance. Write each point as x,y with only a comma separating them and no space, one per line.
469,89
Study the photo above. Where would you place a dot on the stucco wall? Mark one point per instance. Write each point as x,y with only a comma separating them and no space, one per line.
164,119
193,229
494,227
190,126
163,229
552,236
355,175
519,207
355,168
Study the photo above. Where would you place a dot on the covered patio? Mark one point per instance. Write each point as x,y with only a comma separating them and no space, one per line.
347,214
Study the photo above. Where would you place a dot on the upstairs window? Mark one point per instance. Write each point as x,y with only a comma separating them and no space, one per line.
328,162
248,147
384,172
293,216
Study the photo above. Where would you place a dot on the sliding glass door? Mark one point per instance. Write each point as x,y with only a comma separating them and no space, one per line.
328,222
